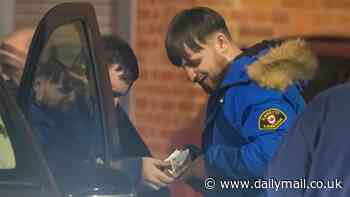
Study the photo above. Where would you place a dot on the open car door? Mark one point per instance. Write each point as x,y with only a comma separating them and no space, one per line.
66,96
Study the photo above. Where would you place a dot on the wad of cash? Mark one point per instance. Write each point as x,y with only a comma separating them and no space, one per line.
179,160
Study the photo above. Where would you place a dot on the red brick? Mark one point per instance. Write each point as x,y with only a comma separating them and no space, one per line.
260,4
253,15
309,4
217,4
312,18
186,106
342,4
280,17
143,43
256,31
144,13
158,147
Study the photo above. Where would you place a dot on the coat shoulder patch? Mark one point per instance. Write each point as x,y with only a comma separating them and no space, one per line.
271,119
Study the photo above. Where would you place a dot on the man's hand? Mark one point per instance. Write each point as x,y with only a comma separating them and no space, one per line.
153,175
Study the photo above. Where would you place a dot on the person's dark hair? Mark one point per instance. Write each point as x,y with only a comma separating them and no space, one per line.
119,52
190,26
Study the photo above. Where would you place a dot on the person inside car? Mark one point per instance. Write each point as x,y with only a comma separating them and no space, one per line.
61,114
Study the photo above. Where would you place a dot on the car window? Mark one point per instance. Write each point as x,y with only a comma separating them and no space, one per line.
7,156
64,110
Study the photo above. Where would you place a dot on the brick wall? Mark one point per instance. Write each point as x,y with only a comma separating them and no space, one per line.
29,12
169,109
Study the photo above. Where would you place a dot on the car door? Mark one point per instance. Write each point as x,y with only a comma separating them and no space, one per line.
65,93
23,170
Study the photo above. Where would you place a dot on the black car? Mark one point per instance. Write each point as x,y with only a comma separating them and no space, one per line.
64,88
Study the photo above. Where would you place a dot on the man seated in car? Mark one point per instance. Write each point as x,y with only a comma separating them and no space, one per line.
61,114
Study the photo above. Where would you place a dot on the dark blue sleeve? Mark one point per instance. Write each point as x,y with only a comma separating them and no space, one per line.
131,142
289,163
252,158
293,157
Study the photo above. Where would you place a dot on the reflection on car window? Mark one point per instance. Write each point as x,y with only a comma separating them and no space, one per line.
7,156
64,109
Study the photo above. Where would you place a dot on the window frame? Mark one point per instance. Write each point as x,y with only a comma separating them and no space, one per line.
97,75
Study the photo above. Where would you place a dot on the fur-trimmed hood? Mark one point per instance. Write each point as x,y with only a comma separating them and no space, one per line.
283,65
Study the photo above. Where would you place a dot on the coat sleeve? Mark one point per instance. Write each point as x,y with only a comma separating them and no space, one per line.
130,139
293,158
263,127
289,162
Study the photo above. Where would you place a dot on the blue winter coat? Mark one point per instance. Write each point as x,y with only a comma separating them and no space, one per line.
246,120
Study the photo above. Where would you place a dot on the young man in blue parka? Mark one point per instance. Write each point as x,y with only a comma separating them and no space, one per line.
254,95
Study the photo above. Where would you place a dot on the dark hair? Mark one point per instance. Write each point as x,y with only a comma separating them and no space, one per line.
119,52
190,26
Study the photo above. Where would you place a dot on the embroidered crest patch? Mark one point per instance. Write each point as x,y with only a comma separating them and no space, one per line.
271,119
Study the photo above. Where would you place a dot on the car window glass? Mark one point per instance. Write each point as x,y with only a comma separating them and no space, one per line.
64,110
7,157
